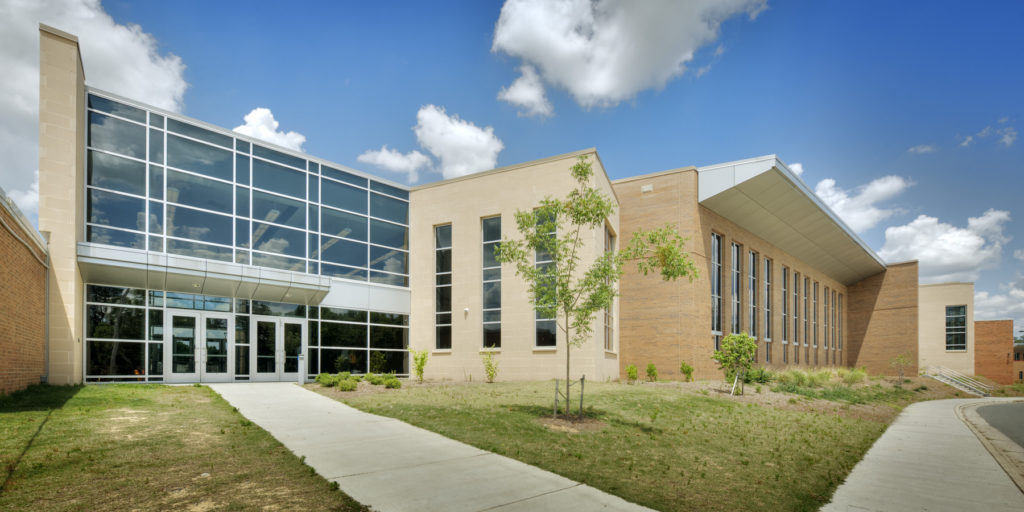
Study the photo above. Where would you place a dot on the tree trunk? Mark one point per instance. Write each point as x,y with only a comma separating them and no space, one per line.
568,346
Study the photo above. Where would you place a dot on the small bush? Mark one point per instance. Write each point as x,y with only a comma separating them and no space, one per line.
374,379
347,385
490,366
687,371
631,373
652,372
842,373
392,383
322,378
819,378
854,376
920,388
419,362
759,375
344,375
357,378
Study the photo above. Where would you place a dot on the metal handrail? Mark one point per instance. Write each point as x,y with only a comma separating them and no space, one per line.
961,379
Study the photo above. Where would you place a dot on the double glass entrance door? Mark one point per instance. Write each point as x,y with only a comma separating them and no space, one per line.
201,347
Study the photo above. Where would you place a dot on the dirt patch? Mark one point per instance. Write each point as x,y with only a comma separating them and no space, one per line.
573,426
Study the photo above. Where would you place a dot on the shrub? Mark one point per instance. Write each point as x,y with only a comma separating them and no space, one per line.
854,376
344,375
419,362
490,366
347,385
652,372
791,378
736,354
374,379
378,362
392,383
759,375
631,373
819,378
357,378
687,371
842,373
322,379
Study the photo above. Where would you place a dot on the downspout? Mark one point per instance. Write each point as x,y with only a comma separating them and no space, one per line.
46,316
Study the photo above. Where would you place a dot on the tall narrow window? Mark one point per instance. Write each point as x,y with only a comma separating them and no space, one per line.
785,305
545,325
826,346
767,310
956,327
491,235
752,291
796,317
814,321
737,286
833,311
609,324
443,286
839,326
807,312
716,287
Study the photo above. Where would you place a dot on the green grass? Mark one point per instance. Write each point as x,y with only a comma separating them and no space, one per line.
875,393
659,446
146,447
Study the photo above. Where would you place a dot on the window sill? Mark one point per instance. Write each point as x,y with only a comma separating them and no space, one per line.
611,353
957,350
496,350
441,351
545,349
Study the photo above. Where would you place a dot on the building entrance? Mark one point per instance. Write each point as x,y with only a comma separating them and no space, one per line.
278,344
199,346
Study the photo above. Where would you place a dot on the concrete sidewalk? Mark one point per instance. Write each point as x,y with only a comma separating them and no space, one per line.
393,466
929,459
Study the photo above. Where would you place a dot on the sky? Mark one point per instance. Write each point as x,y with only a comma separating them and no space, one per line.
902,116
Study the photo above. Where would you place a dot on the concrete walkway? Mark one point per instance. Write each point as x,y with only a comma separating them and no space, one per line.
393,466
929,459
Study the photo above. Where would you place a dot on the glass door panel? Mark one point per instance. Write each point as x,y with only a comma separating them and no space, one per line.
216,345
292,347
266,347
183,344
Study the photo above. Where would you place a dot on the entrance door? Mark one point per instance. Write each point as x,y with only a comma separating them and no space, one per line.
198,346
279,341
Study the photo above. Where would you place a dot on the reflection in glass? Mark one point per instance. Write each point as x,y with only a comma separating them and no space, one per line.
388,208
263,307
278,262
115,237
200,192
346,315
115,135
242,169
279,210
278,157
336,250
156,146
198,133
198,225
116,173
266,333
545,333
116,210
342,360
292,347
391,235
113,322
342,335
270,238
343,176
241,360
156,217
389,260
117,108
392,279
115,358
343,196
198,157
156,325
183,344
388,362
216,345
115,295
388,318
356,274
280,179
389,190
241,201
156,359
389,337
198,250
344,224
242,233
156,182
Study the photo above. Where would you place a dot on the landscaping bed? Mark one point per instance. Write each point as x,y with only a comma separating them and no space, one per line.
147,447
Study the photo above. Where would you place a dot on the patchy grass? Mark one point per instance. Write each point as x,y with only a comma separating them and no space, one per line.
147,447
669,447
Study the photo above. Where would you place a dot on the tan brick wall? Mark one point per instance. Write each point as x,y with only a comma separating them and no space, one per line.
666,323
882,313
993,350
22,307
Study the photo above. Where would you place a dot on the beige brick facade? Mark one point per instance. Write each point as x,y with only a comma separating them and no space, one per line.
883,319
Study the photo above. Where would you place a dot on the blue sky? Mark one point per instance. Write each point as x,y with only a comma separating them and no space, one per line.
844,89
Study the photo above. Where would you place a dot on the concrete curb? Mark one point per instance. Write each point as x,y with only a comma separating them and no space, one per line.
993,440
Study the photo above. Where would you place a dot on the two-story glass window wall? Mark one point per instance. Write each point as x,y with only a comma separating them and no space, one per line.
169,185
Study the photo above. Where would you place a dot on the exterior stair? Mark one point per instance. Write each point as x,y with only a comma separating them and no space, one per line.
959,381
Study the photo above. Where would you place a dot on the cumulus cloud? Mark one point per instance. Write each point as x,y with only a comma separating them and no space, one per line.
260,123
28,200
527,93
1019,254
1000,306
395,161
797,168
947,252
922,148
606,51
122,59
858,207
461,146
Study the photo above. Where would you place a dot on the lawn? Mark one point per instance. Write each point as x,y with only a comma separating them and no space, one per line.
667,446
147,447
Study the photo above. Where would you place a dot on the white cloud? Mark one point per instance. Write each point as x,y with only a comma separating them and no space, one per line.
395,161
260,123
797,168
858,207
1005,134
28,200
1019,254
922,148
947,252
1002,306
119,58
1008,136
968,140
606,51
461,146
527,93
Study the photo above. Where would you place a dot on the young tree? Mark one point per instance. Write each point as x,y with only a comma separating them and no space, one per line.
735,356
568,288
901,363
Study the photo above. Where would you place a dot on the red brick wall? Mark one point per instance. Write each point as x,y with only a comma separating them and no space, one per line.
883,319
993,350
22,308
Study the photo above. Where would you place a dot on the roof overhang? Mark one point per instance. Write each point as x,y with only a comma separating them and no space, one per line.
156,271
763,196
